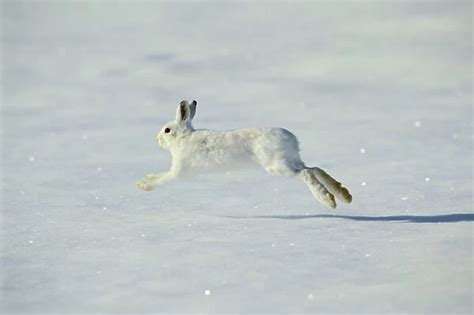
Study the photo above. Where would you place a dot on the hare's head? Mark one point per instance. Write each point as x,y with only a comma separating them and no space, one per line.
180,127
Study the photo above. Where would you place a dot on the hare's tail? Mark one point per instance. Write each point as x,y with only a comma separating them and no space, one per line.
332,185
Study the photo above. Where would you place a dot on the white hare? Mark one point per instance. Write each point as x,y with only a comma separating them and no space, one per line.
275,149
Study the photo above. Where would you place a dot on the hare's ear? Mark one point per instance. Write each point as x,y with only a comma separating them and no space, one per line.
183,114
192,108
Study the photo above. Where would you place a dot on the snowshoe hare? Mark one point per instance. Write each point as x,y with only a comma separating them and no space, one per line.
275,149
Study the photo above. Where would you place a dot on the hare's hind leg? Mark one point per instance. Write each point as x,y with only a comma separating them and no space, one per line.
317,188
294,167
332,185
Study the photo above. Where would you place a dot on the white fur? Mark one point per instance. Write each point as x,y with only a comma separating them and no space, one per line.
275,149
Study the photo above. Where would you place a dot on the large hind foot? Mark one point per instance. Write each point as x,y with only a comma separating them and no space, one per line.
332,185
319,191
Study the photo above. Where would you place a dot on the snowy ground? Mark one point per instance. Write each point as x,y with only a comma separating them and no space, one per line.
379,94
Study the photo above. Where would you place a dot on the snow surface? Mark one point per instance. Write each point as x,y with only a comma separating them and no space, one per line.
379,94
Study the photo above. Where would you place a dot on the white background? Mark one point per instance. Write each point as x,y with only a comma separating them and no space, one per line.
378,93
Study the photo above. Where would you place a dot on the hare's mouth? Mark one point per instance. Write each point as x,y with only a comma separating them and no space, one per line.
160,142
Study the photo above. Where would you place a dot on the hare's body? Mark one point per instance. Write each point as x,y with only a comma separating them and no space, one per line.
275,149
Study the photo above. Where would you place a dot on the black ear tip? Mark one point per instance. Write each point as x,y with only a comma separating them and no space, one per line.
194,102
183,102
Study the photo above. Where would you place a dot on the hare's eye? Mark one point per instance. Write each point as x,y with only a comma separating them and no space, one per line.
167,130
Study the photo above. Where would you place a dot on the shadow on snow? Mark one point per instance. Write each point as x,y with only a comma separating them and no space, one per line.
445,218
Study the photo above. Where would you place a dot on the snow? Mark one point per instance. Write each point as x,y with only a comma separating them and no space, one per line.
87,85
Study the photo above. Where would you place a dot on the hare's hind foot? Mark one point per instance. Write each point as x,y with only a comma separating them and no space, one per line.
332,185
326,199
319,191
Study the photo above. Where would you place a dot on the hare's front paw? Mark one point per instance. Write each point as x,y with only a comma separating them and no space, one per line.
144,185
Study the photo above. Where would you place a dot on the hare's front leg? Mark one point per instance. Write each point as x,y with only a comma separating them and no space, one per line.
147,183
153,180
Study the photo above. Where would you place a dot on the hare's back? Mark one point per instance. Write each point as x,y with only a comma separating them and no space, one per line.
276,139
273,143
